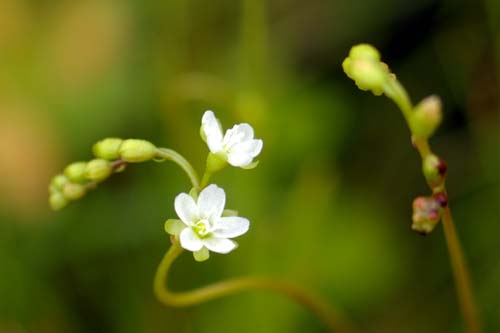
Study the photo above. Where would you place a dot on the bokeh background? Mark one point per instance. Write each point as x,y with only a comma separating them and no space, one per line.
330,203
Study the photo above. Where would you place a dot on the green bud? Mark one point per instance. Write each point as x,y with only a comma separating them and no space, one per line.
76,172
346,66
426,117
98,170
368,75
73,191
57,201
215,162
108,149
434,170
135,150
365,52
57,183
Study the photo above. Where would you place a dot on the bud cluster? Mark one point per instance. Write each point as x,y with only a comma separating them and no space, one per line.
363,65
111,156
426,214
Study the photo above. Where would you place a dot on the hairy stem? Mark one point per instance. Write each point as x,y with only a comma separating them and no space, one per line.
331,318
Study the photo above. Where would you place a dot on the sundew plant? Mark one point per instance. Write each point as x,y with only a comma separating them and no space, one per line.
207,224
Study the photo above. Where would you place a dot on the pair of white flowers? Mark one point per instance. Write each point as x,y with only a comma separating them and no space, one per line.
203,224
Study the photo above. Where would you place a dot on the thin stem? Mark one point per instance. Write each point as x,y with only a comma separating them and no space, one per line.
398,94
395,91
460,274
205,179
177,158
331,318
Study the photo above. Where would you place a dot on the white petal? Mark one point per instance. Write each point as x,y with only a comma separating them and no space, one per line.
212,131
239,159
239,133
219,245
246,131
174,226
229,227
250,147
190,240
186,208
211,201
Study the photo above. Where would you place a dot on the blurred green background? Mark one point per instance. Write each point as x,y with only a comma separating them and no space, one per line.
330,203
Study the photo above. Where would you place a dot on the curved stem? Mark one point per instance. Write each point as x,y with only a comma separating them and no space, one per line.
177,158
331,318
398,94
395,91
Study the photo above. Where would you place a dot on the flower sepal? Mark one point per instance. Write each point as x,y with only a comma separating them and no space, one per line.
201,255
216,162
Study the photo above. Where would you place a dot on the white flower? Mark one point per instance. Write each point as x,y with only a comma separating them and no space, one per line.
237,146
202,227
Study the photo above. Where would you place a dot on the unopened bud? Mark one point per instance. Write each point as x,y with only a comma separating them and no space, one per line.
73,191
135,150
426,214
108,149
426,117
364,51
367,74
76,172
98,170
57,201
57,183
434,170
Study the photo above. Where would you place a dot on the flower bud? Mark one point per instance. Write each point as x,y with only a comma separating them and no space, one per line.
426,117
57,201
426,214
364,51
108,149
367,74
98,170
57,183
434,170
135,150
215,162
73,191
76,172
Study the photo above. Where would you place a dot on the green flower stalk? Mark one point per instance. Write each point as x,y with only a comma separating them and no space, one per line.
203,225
363,65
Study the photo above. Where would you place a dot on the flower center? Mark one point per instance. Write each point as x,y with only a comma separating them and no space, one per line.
201,228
